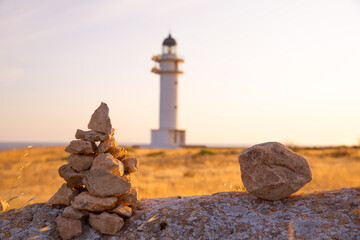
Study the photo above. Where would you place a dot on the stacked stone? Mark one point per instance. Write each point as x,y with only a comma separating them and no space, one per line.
98,180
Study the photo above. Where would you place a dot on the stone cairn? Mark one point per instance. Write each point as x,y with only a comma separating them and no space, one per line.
98,181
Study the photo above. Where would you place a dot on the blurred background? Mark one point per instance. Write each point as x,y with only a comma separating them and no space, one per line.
30,175
254,71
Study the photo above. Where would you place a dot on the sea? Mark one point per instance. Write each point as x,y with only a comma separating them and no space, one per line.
17,145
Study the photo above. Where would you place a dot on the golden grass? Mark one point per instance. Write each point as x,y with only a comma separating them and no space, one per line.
164,173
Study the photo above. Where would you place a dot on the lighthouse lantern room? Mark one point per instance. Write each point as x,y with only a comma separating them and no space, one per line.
168,136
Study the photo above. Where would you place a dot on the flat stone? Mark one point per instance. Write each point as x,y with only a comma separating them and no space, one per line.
73,178
100,182
100,120
69,228
131,165
271,171
80,162
106,223
107,162
63,196
130,198
80,147
123,211
91,135
117,152
70,212
3,205
106,145
86,201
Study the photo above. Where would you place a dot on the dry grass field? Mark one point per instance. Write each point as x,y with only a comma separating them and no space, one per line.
31,175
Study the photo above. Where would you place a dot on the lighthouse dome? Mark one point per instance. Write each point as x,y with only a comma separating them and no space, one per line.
169,41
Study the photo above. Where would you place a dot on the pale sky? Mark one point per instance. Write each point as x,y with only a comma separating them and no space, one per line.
254,71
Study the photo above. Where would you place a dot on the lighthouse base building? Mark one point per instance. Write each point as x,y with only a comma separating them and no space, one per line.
168,136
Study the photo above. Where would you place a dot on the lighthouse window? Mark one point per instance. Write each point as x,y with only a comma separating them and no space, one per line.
169,49
175,107
175,82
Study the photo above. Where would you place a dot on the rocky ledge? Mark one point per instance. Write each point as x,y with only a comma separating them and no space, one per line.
228,215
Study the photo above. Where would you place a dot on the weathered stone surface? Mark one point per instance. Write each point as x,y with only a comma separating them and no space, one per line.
106,145
122,210
117,152
86,201
229,215
131,165
107,162
73,178
63,196
106,223
70,212
271,171
68,228
101,183
129,198
100,120
91,135
80,162
80,147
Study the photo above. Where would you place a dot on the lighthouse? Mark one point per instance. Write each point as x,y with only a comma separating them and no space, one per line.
167,66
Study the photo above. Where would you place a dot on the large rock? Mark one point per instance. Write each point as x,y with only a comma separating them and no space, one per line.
130,198
271,171
106,145
63,196
80,147
69,228
100,120
70,212
81,162
73,178
3,205
107,162
86,201
106,223
91,135
131,165
100,182
228,215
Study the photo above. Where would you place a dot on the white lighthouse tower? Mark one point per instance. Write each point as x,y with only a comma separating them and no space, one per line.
168,136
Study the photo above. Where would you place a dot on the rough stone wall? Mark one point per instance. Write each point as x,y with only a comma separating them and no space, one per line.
228,215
